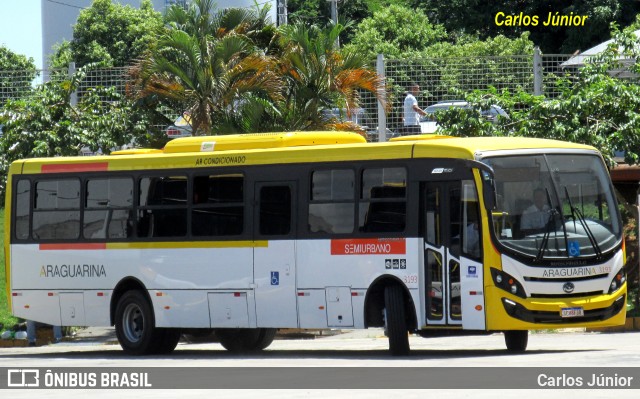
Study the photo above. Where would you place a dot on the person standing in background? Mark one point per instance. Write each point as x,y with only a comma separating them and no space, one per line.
31,333
412,112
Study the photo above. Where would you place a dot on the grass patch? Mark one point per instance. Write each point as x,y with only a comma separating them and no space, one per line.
5,314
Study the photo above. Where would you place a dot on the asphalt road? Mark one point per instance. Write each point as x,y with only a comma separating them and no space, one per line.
561,350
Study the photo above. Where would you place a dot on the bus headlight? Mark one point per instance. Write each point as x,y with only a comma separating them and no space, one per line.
617,281
508,283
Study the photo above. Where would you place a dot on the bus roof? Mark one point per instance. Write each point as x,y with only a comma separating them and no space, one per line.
477,147
279,153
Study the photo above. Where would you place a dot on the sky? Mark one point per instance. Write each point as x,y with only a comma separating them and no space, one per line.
21,28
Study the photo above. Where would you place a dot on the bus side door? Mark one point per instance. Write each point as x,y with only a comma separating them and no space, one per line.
274,254
453,242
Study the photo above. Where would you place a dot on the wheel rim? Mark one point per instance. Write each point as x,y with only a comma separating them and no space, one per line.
133,322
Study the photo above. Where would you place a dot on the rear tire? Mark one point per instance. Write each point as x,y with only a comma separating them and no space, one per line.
516,340
266,337
244,340
395,321
166,341
135,324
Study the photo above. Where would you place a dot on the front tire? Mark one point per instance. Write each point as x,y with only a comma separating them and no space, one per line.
516,340
135,324
395,321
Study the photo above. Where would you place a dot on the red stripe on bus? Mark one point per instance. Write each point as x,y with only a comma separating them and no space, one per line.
75,167
64,247
369,246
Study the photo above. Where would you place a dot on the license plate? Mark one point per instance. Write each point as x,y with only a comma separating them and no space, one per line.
572,312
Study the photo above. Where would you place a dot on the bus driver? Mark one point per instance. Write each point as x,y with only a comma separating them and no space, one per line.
537,215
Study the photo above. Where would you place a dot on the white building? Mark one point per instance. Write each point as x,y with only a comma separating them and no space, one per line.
58,17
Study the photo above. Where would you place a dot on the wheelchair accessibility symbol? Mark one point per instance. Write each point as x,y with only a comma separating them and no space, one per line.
574,249
275,278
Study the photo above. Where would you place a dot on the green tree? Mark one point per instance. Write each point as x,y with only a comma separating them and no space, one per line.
478,18
471,46
395,31
16,74
595,108
319,76
47,124
208,65
319,11
110,33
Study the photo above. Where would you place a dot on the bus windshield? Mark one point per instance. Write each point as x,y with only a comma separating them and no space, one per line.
554,206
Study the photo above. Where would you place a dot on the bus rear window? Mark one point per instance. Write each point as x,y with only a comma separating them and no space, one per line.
23,204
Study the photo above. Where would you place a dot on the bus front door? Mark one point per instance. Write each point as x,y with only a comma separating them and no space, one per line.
274,254
453,268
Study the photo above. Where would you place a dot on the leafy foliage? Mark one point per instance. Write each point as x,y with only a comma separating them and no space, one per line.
471,46
320,76
596,108
395,31
46,124
319,11
16,74
207,65
215,66
478,18
110,33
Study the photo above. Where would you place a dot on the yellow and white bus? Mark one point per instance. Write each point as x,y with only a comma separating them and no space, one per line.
246,234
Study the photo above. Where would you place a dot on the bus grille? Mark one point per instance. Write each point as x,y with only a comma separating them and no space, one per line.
519,312
572,295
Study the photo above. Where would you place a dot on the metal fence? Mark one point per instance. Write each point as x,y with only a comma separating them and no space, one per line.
443,79
439,79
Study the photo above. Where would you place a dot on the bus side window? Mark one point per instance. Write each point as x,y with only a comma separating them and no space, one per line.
162,210
108,208
470,226
218,205
56,213
332,201
383,207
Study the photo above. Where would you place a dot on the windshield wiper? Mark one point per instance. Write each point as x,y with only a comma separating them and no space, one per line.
576,212
547,230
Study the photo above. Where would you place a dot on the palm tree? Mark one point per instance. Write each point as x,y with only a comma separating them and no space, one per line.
320,76
207,64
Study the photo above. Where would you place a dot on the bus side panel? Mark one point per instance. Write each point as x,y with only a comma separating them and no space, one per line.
38,305
178,278
97,306
354,263
41,267
180,308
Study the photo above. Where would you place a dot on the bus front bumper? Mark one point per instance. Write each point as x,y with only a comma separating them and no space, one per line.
514,313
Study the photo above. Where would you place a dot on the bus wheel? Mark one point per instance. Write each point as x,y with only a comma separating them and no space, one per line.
516,340
242,340
167,340
135,324
265,338
395,321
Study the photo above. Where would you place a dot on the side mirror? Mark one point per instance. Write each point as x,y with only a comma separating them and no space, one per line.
488,190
